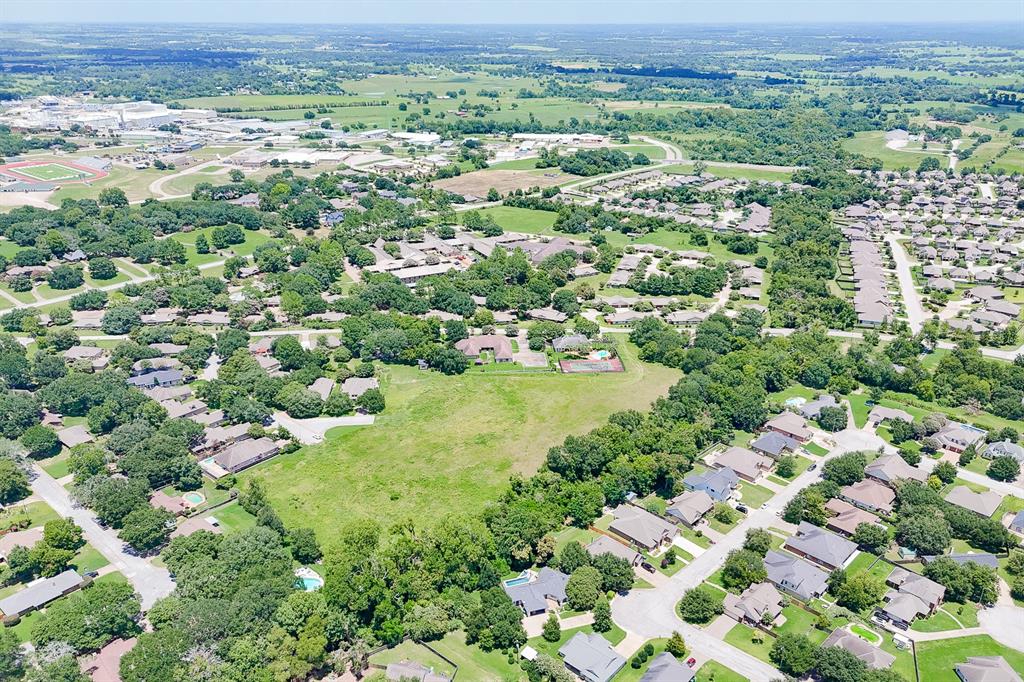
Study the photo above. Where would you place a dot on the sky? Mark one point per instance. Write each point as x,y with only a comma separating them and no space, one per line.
510,11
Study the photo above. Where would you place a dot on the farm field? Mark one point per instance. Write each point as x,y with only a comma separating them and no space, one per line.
478,182
464,435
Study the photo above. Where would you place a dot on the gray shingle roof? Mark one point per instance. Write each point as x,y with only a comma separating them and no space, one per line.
591,657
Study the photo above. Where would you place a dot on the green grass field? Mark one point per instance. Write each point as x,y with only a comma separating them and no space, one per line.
872,145
713,671
526,220
745,639
448,444
936,659
52,172
252,241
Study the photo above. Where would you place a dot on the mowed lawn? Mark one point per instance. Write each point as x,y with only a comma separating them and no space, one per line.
936,659
448,445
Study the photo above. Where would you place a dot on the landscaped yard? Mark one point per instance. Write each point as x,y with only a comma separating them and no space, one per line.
475,663
936,659
815,449
713,671
801,622
754,642
862,561
754,495
409,650
448,444
37,514
232,517
614,636
631,674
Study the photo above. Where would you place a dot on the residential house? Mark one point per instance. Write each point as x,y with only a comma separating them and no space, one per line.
641,527
356,386
774,444
717,483
870,495
39,593
153,364
791,574
791,425
590,657
812,409
606,545
880,413
162,500
194,525
217,437
911,596
161,377
499,345
748,465
667,668
872,656
983,504
846,517
957,437
820,546
759,604
533,596
690,507
570,342
95,358
891,468
1004,448
242,455
74,435
1017,523
19,538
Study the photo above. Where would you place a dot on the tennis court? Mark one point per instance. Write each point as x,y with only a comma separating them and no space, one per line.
591,366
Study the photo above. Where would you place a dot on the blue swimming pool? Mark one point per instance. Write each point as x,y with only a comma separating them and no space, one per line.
311,584
520,579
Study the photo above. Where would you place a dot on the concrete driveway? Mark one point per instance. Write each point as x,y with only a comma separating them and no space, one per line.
311,431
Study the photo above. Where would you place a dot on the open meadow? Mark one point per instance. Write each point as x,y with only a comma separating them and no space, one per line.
448,444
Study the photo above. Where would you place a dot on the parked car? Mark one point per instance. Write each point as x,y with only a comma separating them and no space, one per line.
647,567
812,467
742,508
92,574
691,662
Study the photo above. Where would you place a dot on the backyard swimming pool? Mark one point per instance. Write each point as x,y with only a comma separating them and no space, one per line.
194,498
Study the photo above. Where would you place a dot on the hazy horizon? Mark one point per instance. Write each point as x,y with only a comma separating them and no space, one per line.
521,13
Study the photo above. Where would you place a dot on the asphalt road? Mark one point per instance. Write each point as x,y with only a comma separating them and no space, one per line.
150,582
911,299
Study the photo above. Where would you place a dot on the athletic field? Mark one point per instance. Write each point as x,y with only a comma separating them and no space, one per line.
50,171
